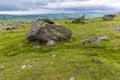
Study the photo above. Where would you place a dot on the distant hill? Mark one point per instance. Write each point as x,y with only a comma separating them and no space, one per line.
51,16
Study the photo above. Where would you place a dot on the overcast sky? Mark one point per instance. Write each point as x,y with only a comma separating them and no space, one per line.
57,6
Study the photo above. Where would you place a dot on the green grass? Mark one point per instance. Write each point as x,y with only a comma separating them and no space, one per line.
72,58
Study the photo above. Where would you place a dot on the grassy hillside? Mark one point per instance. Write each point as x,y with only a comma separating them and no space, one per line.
20,60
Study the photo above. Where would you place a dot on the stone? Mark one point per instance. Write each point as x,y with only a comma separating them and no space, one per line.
117,29
94,39
53,55
23,66
2,67
46,20
51,62
1,29
108,17
103,38
96,61
46,31
79,20
72,78
8,28
51,42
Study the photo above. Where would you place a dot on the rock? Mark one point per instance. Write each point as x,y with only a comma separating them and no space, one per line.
79,20
51,62
10,24
103,38
23,66
96,61
94,39
26,66
1,29
2,67
108,17
117,29
45,30
53,55
72,78
8,28
45,20
51,42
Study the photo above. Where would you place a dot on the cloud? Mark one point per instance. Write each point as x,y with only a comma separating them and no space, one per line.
57,6
86,3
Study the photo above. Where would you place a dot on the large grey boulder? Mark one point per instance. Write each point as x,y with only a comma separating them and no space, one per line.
79,20
108,17
45,30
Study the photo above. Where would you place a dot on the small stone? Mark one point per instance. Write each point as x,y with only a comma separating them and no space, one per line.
104,38
2,67
53,55
23,66
117,29
1,29
51,42
72,78
51,62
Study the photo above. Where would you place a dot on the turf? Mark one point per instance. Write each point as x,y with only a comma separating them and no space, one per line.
22,61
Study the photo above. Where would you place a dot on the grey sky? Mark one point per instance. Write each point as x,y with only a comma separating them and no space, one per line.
57,6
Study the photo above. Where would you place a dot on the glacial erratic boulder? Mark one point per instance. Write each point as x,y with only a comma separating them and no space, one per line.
108,17
45,30
79,20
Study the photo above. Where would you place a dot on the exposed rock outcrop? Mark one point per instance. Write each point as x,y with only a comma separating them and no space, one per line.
45,30
108,17
79,20
94,39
